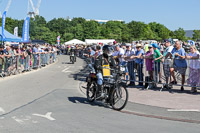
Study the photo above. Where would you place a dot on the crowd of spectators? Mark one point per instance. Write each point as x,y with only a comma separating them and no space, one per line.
164,62
16,58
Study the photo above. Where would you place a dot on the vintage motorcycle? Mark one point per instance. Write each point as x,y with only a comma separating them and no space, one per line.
114,89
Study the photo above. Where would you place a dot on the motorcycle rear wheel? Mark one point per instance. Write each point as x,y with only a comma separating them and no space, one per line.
91,91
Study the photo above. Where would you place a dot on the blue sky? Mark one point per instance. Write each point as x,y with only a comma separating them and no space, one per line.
171,13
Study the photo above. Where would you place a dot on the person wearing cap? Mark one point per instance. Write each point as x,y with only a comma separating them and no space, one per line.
167,64
149,61
180,64
157,59
128,53
139,61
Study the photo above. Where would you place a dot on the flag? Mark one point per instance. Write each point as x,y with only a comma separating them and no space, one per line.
16,31
25,35
3,24
58,40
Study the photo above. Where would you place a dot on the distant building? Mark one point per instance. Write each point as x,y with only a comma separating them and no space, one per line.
189,33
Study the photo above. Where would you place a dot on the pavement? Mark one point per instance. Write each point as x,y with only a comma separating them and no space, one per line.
173,99
166,104
51,100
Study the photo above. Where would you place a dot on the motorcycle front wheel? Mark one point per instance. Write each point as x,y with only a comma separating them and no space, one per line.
119,98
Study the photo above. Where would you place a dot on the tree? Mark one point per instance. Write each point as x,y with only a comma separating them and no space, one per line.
160,32
139,31
196,34
67,36
179,34
91,30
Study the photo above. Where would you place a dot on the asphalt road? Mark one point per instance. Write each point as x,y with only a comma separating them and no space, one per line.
49,101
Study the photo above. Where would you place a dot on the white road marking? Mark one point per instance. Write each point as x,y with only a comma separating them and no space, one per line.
183,110
2,110
65,69
18,120
48,116
21,120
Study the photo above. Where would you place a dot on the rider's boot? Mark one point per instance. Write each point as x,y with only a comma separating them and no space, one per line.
99,92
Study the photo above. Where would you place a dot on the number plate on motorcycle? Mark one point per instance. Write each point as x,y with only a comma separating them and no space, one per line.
122,69
106,70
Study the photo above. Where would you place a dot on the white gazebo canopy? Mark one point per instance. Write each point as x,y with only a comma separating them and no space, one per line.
74,42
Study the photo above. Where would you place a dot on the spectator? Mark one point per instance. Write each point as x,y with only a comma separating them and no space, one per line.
139,61
157,59
118,55
149,61
167,61
180,64
128,53
194,73
146,47
8,56
2,52
35,56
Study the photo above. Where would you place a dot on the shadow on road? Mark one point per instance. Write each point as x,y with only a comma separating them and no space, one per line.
83,100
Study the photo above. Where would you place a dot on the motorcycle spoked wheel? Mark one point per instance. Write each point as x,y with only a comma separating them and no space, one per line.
91,91
119,98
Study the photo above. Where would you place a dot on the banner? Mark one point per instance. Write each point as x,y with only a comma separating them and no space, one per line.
3,24
16,31
25,35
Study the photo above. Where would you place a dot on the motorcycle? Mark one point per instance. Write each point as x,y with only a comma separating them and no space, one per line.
72,58
114,89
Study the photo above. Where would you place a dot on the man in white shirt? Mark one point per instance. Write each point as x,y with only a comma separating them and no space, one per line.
118,54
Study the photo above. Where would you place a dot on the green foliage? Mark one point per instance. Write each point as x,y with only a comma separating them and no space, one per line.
180,34
82,29
196,34
160,32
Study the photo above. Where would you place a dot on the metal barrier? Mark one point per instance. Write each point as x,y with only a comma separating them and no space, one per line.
163,70
17,64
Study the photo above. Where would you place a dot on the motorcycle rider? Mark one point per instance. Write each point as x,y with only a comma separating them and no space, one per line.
105,59
73,53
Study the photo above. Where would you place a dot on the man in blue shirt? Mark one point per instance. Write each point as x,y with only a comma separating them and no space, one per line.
139,61
180,64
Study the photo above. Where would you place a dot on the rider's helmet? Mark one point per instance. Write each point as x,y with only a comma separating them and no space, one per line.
107,50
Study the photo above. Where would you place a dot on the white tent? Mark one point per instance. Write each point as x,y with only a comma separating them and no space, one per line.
74,42
96,41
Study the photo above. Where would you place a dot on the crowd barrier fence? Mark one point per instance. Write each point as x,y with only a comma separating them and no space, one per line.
17,64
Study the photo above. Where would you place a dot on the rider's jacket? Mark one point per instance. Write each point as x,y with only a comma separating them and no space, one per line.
104,60
74,51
